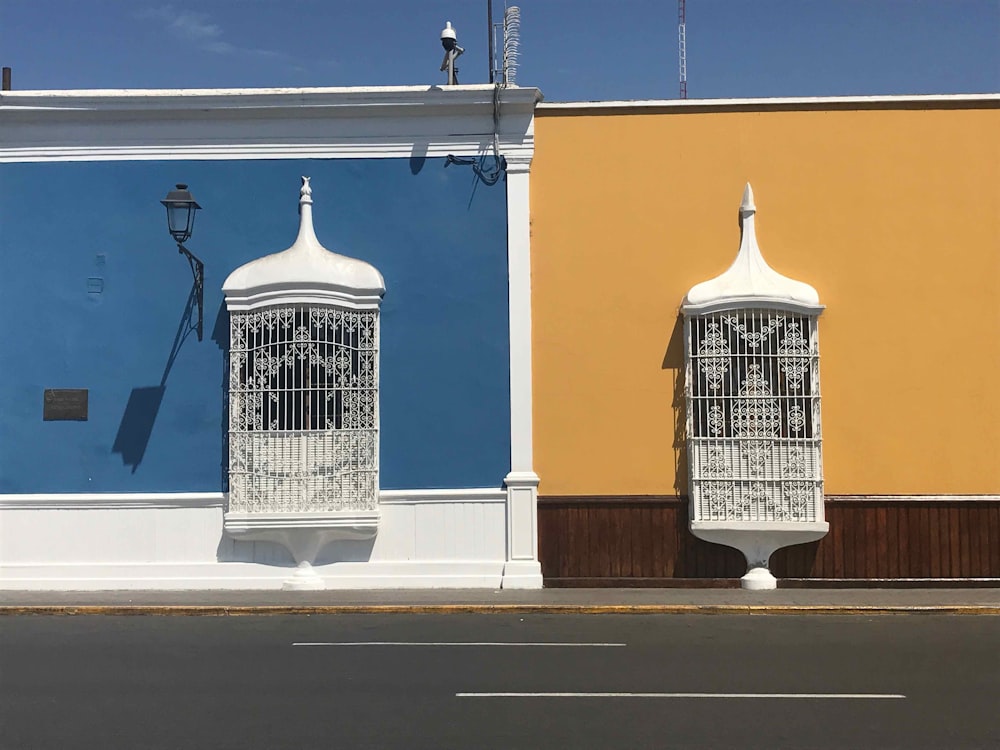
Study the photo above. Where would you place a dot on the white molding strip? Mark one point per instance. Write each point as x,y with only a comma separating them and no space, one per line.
170,500
340,123
112,501
359,96
384,148
419,497
348,96
803,101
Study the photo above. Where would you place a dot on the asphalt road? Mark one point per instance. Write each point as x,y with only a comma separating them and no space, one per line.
684,681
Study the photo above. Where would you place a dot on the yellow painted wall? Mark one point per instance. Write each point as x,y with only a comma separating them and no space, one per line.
892,214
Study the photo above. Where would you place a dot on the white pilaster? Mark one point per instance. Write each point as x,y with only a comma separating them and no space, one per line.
522,569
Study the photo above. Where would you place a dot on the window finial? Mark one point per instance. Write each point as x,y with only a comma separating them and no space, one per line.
747,206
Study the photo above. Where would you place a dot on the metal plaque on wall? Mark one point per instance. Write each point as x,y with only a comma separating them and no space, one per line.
65,404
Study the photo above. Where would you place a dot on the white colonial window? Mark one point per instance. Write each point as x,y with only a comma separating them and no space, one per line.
754,429
303,397
303,409
754,437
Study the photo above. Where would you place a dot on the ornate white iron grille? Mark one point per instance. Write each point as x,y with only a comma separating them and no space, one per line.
303,419
753,416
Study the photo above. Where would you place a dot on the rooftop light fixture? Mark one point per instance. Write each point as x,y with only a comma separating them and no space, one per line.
449,40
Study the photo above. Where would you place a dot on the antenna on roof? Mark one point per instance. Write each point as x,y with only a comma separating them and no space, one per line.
504,71
682,47
489,32
511,44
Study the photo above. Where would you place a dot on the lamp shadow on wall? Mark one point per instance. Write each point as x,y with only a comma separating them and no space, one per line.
136,426
673,360
418,157
220,335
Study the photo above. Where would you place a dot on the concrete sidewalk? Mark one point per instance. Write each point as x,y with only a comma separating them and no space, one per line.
568,600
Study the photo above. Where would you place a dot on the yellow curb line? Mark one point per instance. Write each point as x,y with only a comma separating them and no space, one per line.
213,610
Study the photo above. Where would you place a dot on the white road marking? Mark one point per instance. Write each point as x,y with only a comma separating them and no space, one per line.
459,643
853,696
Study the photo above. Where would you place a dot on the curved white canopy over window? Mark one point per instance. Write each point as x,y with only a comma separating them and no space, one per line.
750,281
305,273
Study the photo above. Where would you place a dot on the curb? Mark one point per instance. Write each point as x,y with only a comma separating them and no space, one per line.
493,609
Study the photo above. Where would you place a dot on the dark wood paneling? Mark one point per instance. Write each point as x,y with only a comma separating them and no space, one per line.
645,541
995,548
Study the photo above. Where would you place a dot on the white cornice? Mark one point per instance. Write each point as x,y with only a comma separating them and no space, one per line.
806,102
341,148
349,98
377,122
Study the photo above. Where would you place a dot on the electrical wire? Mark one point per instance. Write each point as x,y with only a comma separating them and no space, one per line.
492,174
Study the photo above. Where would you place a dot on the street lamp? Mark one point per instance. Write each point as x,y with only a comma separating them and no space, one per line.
181,207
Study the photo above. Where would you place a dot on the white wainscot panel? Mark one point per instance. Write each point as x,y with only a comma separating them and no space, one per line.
426,538
111,530
435,527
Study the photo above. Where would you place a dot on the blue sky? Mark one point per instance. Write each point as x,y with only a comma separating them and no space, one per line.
571,49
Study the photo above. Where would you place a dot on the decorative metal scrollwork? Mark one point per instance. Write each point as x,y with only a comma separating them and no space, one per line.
713,356
303,409
752,336
753,416
793,356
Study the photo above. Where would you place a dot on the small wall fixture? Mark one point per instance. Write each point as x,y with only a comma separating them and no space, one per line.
449,40
181,207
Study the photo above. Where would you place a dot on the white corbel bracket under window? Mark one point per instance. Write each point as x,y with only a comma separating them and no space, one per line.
753,408
303,398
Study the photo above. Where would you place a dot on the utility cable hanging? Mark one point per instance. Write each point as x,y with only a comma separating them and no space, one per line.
491,175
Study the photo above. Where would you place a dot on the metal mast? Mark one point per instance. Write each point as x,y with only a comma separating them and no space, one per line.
492,40
682,48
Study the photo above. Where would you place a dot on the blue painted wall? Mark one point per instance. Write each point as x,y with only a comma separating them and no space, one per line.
95,293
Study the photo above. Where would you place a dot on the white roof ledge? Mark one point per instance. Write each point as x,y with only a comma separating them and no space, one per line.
306,273
750,281
352,101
